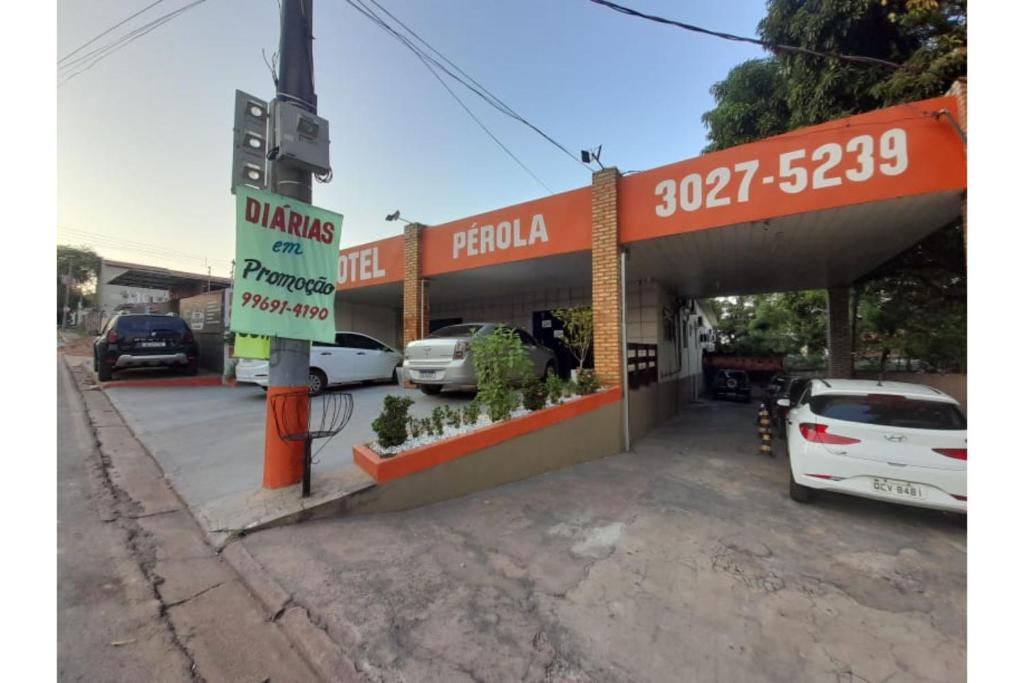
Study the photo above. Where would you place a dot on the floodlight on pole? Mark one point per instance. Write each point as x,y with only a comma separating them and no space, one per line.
397,216
588,155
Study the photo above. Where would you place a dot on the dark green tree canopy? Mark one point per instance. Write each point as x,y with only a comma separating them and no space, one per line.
916,304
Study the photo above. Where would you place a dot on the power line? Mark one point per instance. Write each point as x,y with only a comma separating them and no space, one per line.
131,245
101,53
474,87
100,35
772,47
377,20
117,42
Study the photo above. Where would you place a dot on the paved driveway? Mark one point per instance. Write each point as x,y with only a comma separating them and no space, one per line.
683,561
209,440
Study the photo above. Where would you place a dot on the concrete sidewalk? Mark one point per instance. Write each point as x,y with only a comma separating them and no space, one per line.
216,629
209,443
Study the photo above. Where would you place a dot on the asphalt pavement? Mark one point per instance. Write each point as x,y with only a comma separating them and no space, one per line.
682,561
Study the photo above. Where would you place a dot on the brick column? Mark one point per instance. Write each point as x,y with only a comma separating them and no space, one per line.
840,334
415,292
604,253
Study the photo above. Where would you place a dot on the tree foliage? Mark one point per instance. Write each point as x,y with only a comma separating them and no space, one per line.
83,264
579,330
915,305
500,362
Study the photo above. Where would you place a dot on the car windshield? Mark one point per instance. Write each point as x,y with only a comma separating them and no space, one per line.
147,324
466,330
889,411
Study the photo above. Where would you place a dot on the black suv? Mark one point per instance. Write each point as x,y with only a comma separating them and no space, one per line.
734,384
134,341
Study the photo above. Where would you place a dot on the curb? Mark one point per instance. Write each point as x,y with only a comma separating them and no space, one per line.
320,651
312,643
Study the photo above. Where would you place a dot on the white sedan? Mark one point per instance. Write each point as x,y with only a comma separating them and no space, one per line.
892,441
353,357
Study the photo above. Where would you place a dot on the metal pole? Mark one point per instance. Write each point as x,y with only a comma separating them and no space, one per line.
67,297
625,357
289,358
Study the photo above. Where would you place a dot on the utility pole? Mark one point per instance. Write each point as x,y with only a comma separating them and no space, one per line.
67,296
289,358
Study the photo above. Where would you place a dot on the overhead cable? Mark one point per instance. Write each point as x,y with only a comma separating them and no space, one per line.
100,35
772,47
465,80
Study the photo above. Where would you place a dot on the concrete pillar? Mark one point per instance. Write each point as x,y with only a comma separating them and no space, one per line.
415,290
606,278
840,334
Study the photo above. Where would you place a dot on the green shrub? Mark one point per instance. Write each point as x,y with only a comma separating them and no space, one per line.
534,395
554,387
500,362
414,427
437,418
471,413
427,427
390,424
586,382
453,417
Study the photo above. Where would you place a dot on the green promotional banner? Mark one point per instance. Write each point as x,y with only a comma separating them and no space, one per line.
252,346
286,264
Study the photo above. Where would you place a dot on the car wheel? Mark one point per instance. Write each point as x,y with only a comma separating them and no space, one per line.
104,373
798,492
317,382
95,361
192,368
394,375
430,389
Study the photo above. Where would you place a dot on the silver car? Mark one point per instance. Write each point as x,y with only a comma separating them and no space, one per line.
443,359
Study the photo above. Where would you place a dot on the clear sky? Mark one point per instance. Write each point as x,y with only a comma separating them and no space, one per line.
144,138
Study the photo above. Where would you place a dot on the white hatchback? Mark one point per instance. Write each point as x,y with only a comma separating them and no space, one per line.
353,357
893,441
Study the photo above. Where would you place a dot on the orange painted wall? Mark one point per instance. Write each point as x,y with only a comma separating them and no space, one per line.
374,263
462,244
849,170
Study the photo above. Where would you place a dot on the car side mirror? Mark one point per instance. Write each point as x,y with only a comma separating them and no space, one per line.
783,402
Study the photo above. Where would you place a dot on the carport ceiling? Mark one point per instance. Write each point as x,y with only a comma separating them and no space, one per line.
806,251
389,294
553,272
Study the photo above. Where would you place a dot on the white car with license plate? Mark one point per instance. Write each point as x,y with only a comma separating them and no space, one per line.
353,357
892,441
444,358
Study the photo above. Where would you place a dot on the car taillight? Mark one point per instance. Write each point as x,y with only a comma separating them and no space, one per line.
112,337
955,453
460,350
187,337
818,433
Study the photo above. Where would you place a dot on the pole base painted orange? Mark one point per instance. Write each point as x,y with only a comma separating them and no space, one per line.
282,460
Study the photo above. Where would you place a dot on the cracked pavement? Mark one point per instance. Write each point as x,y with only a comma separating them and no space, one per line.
684,560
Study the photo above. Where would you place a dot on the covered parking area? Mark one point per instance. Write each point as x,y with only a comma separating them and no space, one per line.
815,208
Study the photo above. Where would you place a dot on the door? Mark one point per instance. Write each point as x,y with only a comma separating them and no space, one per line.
332,359
372,360
548,331
538,358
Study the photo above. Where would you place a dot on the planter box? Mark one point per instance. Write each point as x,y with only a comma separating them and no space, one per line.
425,457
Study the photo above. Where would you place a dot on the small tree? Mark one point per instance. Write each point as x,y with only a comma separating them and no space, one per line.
579,330
500,363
